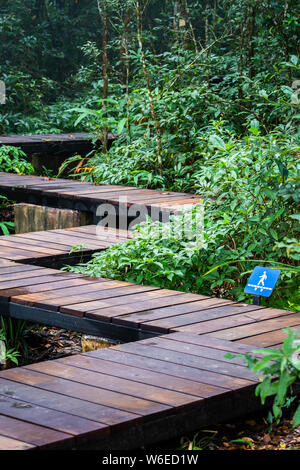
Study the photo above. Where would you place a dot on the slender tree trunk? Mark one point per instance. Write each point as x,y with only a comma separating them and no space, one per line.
147,79
243,26
104,21
250,40
188,17
286,40
126,66
207,39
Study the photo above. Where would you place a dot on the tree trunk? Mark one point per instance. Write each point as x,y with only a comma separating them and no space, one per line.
147,79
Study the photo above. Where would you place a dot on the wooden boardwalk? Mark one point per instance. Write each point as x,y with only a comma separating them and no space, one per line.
169,378
53,246
45,144
136,393
88,196
115,399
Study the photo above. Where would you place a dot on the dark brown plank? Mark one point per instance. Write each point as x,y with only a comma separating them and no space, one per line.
40,436
17,268
265,340
7,443
14,254
29,281
159,295
231,316
164,342
105,314
162,398
52,419
203,310
70,281
142,318
82,286
181,358
210,342
136,368
67,404
31,274
259,327
99,292
84,386
66,240
136,359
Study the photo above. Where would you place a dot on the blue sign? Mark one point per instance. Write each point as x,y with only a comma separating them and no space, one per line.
262,281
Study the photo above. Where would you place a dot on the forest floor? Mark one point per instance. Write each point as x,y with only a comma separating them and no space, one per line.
248,433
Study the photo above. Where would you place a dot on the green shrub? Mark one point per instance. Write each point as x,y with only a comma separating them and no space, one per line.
13,160
280,369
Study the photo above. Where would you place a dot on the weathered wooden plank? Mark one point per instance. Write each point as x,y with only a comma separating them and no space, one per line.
181,358
82,386
7,443
69,281
17,268
57,420
33,434
210,342
99,292
177,370
106,313
84,286
265,340
156,399
164,342
67,404
207,325
203,310
245,331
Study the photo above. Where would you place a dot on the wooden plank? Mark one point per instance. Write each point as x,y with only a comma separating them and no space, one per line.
108,364
105,314
67,404
234,318
110,303
164,342
28,241
6,262
65,240
260,327
29,281
162,399
198,362
14,254
17,268
6,443
32,274
210,342
33,434
265,340
83,287
160,318
19,245
136,359
83,386
70,281
57,420
95,292
103,231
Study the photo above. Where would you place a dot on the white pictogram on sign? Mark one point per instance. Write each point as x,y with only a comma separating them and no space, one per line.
262,279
